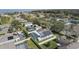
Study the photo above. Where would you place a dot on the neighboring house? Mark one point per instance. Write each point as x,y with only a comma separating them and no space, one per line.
21,35
58,19
32,27
28,24
74,21
62,19
42,34
37,27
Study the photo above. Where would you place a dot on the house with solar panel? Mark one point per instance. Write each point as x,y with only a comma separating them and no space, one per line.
39,34
42,36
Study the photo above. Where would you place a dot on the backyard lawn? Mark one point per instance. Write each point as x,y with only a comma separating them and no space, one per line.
31,45
50,45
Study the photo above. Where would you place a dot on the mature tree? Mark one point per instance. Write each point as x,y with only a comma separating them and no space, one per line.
57,26
5,20
16,24
23,16
25,33
37,21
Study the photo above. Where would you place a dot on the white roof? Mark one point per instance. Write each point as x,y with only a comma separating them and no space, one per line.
28,24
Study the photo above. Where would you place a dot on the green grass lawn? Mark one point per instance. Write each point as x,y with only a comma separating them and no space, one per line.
50,45
31,44
1,33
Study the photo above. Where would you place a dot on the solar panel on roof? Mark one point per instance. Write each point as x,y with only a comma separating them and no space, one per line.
45,33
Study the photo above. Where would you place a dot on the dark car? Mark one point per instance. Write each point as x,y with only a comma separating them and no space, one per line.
10,37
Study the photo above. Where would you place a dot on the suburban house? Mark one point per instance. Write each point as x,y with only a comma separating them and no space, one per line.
32,27
74,21
28,24
42,34
37,27
62,19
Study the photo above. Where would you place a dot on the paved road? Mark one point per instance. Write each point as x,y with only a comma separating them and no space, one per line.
5,42
22,46
19,44
16,43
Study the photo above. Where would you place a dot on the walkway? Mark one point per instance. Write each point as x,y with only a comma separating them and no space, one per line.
47,40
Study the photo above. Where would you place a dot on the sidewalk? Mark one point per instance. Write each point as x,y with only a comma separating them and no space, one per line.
47,40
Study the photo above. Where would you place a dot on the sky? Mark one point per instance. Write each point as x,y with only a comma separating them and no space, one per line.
14,10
